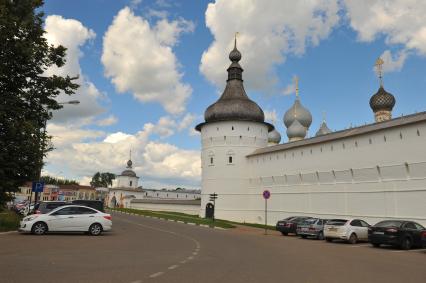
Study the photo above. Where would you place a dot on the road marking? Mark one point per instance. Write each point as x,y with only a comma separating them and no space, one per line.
190,257
137,281
194,253
156,274
183,261
359,245
173,267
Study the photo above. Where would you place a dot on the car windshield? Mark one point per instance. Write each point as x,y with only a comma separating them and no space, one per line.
289,218
388,223
337,222
310,221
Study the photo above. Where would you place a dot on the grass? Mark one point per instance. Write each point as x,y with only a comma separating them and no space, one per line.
176,216
190,218
9,221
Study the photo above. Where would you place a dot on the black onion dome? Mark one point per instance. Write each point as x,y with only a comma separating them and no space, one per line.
234,104
382,100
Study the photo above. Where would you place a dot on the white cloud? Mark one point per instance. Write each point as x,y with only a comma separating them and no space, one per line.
400,22
85,152
110,120
393,62
289,89
139,59
271,116
281,28
73,35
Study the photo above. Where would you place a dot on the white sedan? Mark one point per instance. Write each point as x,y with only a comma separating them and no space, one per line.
351,230
68,218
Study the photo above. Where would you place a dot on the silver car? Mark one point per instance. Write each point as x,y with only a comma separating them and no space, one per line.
312,227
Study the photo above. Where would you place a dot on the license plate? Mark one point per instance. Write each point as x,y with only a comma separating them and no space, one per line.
379,233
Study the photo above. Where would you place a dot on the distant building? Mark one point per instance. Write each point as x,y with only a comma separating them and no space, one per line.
58,192
125,191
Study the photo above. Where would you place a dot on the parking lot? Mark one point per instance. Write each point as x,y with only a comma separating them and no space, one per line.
141,249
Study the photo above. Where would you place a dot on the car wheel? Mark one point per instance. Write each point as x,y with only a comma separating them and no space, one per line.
39,228
376,245
95,229
320,236
284,233
353,239
329,240
303,236
406,243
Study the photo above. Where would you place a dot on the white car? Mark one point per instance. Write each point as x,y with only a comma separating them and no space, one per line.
68,218
350,230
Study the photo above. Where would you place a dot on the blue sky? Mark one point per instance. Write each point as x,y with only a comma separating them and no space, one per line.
330,45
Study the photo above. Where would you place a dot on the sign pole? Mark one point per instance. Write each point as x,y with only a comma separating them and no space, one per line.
266,216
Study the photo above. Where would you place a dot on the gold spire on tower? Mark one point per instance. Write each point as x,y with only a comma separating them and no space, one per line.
323,116
296,85
235,39
379,69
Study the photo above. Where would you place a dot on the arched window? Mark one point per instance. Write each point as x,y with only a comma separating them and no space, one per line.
230,156
211,158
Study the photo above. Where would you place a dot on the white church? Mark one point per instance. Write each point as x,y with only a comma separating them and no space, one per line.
374,172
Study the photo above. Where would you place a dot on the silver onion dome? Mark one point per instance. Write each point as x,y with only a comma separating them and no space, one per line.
299,113
296,131
323,130
274,137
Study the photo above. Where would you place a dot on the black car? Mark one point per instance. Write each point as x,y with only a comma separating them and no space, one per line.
399,233
46,206
96,204
289,225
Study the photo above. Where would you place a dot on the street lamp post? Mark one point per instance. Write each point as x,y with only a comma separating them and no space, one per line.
42,149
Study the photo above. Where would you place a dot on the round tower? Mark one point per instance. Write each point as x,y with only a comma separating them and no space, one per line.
234,127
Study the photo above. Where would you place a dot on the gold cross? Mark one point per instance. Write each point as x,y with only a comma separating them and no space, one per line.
379,69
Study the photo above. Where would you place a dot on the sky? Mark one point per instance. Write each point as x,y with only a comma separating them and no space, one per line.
148,69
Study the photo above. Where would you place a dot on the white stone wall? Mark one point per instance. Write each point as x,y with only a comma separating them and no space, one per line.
188,209
124,181
220,141
180,195
374,176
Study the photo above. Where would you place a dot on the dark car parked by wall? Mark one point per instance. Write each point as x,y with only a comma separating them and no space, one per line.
96,204
47,206
289,225
398,233
312,227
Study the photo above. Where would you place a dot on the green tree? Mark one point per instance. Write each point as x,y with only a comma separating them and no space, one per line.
55,181
27,94
102,179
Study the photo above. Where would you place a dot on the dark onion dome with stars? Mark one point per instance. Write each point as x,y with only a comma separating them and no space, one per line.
323,130
128,172
274,137
234,104
382,100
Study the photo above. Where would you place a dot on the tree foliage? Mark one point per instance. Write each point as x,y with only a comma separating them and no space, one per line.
27,94
102,179
55,181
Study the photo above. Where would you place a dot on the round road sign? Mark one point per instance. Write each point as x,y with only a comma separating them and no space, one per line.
266,194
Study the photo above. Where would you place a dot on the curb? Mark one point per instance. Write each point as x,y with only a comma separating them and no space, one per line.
8,232
170,220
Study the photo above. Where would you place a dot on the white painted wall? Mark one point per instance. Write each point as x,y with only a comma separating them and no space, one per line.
221,140
374,176
182,208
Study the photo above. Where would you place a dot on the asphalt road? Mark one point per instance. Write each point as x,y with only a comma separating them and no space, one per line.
143,249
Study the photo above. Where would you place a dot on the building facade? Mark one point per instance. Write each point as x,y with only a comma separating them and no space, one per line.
374,172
